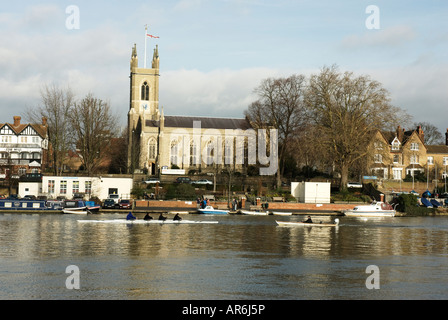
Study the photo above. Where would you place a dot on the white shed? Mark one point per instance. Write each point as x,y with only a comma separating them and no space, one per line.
311,192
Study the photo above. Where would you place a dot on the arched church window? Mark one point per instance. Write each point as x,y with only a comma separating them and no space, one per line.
173,152
210,152
152,149
194,160
145,91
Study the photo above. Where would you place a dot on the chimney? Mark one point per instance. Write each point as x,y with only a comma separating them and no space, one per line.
421,134
44,121
446,137
400,134
17,121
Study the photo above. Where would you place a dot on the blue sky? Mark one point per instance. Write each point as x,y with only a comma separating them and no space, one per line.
214,53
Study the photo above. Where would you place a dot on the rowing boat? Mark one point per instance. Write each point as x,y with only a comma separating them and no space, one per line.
277,213
303,224
138,221
253,213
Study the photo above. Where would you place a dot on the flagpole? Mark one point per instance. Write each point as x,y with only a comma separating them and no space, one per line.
146,31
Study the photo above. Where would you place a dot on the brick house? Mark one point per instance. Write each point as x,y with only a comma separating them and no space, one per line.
399,153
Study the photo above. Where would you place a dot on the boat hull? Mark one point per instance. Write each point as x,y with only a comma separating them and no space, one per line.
303,224
137,221
211,210
375,209
254,213
385,213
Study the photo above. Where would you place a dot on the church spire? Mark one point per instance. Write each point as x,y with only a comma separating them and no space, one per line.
155,58
134,58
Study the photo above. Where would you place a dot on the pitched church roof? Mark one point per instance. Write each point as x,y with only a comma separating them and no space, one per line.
206,122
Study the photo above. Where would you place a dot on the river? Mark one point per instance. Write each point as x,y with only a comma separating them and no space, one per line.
241,257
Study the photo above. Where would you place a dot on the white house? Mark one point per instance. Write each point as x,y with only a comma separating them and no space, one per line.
23,147
55,186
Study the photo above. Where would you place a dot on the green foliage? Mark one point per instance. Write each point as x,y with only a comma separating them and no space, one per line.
180,191
418,176
137,192
408,203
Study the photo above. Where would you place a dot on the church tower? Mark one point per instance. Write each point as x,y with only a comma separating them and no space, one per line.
143,109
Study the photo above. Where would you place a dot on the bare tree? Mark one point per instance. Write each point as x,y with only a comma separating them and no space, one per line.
56,104
347,110
432,134
280,106
94,126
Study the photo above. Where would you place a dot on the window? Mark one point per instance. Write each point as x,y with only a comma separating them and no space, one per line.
173,156
431,160
152,149
6,139
63,186
145,91
50,186
396,173
35,140
210,152
413,159
378,145
88,187
396,158
445,161
414,146
228,151
395,146
75,186
378,158
24,139
193,154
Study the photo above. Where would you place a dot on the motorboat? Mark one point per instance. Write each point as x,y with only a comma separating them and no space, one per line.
211,210
375,209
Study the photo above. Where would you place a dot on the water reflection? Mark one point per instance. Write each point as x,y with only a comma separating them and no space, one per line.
239,258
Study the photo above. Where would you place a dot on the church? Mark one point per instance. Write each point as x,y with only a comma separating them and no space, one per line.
157,141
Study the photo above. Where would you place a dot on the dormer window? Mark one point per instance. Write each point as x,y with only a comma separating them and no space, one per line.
145,91
395,145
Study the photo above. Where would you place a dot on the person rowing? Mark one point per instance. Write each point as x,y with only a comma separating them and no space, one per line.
308,220
161,217
130,216
177,218
147,217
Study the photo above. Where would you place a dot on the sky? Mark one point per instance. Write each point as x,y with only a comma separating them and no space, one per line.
214,53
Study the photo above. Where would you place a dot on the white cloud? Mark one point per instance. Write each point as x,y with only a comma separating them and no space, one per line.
390,37
221,92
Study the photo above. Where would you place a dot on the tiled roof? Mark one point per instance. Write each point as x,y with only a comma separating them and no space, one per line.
205,122
437,149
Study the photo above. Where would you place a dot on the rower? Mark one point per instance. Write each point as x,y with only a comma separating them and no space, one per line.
147,217
308,220
177,218
130,216
161,217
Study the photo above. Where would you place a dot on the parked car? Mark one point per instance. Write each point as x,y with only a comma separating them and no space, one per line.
354,185
109,204
115,197
183,180
152,180
203,181
124,204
